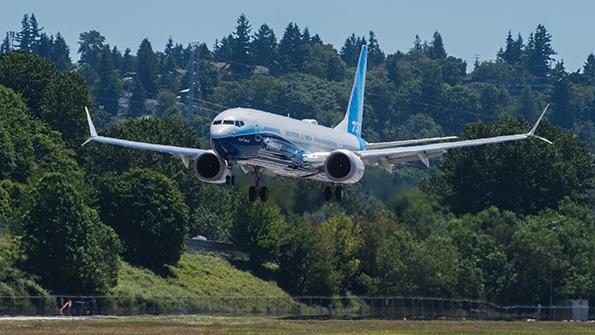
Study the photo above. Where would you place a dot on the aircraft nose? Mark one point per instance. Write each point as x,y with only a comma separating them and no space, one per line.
218,131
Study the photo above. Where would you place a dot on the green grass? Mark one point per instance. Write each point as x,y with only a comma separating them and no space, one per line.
198,283
219,325
195,275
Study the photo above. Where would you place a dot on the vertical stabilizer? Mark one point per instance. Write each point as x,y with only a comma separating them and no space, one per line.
352,123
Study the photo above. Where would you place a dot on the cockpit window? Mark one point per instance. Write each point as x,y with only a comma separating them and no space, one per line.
227,121
239,124
217,122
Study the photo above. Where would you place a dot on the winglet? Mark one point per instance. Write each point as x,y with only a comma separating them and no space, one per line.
91,127
531,133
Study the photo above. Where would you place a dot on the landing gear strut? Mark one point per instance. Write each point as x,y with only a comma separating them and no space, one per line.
328,193
258,191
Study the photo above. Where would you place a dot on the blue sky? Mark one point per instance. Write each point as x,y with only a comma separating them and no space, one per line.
468,27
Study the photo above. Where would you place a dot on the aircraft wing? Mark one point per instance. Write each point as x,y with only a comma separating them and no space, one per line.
424,152
182,152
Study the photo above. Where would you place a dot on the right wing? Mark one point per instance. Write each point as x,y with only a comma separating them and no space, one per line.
185,154
423,153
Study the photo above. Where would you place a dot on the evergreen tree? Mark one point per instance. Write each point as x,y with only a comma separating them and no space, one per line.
316,39
127,62
417,44
43,47
240,51
147,68
561,110
264,46
351,49
116,58
24,35
513,50
6,45
90,46
291,49
306,38
375,54
589,69
60,53
223,49
436,50
539,52
137,100
169,62
35,33
108,86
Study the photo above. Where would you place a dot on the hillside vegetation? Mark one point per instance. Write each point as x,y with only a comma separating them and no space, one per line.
194,275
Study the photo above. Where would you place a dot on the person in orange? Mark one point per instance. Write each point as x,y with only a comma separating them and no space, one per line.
66,306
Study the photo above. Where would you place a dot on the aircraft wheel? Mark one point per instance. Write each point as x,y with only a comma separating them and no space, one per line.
328,193
264,194
252,193
228,180
338,193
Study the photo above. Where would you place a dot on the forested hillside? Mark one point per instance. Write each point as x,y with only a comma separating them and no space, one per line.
510,223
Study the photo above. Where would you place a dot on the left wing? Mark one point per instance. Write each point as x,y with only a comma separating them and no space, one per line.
186,154
423,153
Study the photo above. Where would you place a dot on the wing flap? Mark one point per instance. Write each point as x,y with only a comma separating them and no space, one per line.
392,144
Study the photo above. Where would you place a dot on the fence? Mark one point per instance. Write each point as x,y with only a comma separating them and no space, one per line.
289,307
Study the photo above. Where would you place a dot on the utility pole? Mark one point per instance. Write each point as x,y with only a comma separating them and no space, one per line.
193,69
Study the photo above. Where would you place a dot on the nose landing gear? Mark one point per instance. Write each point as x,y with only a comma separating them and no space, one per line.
328,193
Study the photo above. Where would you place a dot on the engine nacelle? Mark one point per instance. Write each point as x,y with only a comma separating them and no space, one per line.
344,166
210,168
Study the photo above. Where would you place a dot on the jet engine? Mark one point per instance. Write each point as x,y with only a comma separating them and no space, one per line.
210,168
344,166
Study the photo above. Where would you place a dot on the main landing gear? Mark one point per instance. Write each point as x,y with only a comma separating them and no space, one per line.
258,191
328,193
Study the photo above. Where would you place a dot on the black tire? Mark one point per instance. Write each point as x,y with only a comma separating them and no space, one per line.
252,193
338,193
264,194
228,180
328,193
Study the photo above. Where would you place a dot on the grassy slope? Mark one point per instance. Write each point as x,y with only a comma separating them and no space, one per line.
195,275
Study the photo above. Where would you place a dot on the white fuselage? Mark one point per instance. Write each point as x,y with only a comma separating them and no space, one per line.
275,143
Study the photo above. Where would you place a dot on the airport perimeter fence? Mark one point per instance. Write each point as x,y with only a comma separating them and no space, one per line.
290,307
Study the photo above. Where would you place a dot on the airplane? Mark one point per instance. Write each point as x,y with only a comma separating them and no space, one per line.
265,143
